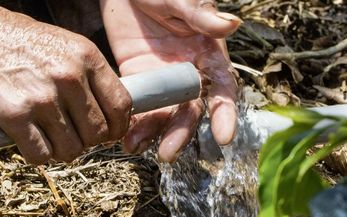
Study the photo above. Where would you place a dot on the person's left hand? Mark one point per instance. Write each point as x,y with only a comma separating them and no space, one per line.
149,34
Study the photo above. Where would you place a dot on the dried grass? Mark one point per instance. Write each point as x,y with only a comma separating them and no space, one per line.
102,182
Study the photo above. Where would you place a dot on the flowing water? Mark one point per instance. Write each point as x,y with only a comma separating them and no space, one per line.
210,182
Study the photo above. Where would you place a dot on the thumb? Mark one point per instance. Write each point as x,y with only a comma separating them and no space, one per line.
203,17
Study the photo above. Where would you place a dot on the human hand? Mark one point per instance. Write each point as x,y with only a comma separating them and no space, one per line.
58,94
147,34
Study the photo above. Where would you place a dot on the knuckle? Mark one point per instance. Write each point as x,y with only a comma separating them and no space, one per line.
44,101
15,116
40,101
86,50
68,73
19,112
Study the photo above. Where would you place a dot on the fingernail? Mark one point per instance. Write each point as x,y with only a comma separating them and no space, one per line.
228,17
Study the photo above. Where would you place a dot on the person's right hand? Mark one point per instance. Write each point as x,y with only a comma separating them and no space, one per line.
58,94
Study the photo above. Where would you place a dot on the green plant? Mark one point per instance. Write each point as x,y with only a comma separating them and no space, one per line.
287,180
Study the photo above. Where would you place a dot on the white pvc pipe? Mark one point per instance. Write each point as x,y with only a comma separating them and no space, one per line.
265,123
163,87
155,89
273,122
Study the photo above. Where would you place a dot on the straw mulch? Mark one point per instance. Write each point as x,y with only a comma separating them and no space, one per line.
102,182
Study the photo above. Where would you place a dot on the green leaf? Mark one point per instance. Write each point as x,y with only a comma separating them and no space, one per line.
284,190
306,189
287,180
273,152
335,139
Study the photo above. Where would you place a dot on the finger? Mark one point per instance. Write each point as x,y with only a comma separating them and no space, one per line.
223,115
84,111
203,17
222,94
180,130
58,128
32,143
113,99
144,128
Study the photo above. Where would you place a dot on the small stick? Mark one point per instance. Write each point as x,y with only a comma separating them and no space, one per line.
148,202
51,184
158,211
68,197
68,172
247,69
311,54
82,176
37,189
251,8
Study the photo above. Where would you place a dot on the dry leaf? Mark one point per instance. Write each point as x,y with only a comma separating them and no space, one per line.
333,94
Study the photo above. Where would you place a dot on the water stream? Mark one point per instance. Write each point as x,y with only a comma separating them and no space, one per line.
207,181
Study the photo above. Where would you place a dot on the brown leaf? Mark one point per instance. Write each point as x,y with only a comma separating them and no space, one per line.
333,94
272,66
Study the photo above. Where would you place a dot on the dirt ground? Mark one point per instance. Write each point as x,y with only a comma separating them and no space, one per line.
287,52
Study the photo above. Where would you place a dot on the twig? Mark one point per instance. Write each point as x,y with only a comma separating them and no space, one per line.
115,155
51,184
82,176
311,54
37,189
254,36
95,150
68,172
156,210
247,69
7,147
148,202
135,157
68,197
252,7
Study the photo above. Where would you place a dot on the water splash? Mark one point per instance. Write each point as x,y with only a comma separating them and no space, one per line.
207,182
